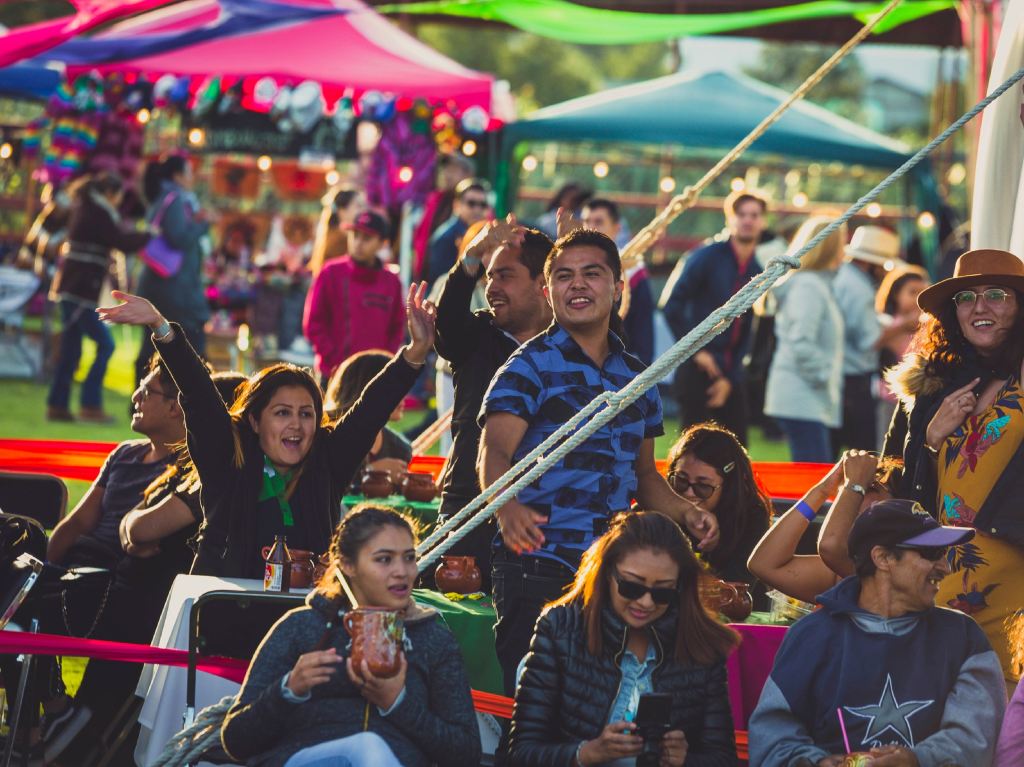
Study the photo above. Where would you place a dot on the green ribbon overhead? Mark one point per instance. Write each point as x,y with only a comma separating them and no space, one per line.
573,23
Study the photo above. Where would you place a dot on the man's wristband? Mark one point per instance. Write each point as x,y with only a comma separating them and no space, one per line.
805,510
161,331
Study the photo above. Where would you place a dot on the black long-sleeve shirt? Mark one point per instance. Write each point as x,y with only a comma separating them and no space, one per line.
476,347
228,540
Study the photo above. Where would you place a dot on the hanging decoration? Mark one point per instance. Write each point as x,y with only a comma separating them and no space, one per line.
402,165
586,25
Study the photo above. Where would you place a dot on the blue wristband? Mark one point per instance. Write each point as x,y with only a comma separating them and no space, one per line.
804,508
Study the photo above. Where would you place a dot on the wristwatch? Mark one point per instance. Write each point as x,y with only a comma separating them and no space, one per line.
856,488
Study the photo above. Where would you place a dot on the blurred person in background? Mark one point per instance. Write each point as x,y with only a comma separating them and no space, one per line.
472,204
804,390
340,207
710,385
94,230
437,210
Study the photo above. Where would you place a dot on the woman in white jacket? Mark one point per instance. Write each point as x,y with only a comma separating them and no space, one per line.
804,391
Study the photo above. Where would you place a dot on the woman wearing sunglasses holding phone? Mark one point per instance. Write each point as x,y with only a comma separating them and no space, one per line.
960,429
709,467
631,624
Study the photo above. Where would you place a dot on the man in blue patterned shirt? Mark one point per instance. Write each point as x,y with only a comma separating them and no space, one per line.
546,529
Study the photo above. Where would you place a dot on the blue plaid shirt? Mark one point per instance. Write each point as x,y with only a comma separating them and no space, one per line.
545,382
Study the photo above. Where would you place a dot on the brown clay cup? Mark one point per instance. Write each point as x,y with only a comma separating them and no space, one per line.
736,604
301,565
376,638
419,486
458,574
376,483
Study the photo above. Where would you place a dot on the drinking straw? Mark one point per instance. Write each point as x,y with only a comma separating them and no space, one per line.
842,724
348,591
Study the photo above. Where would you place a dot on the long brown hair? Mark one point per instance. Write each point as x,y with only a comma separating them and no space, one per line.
699,639
255,394
742,503
941,342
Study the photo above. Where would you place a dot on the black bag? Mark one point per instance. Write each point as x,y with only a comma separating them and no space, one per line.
20,535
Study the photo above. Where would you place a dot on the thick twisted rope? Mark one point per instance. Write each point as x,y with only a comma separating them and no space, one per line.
604,407
644,239
191,743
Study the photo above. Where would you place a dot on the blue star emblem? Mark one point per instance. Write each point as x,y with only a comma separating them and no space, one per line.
888,714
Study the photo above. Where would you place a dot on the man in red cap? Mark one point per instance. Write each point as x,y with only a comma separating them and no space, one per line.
355,303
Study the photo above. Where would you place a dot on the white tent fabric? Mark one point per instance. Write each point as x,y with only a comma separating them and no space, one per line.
997,210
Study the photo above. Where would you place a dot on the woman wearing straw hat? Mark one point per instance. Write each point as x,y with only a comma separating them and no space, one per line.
960,429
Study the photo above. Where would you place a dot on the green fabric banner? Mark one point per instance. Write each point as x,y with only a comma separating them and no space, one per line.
573,23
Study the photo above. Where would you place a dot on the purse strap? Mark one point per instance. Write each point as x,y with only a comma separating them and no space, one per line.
168,199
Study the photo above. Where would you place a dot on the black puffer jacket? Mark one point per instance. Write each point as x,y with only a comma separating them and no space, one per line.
566,694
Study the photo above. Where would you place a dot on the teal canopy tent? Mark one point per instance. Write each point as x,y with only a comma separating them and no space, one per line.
710,110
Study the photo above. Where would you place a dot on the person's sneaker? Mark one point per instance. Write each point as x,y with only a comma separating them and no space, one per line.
61,736
59,414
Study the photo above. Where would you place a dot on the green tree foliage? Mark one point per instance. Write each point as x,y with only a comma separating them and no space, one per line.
786,65
543,71
15,14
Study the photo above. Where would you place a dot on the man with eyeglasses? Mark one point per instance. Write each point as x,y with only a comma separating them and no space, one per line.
879,668
471,204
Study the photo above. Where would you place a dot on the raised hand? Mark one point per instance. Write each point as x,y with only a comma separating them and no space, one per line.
134,310
951,414
566,222
859,467
421,315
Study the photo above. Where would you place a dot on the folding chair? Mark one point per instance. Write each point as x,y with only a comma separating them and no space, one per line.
24,574
42,497
229,624
17,287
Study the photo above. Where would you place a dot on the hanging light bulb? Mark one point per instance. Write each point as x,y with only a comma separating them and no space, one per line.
667,184
529,163
737,184
600,169
926,220
263,162
332,177
469,148
405,174
6,150
874,210
800,200
143,116
196,137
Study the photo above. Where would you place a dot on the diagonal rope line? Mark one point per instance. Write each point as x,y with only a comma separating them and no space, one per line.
604,407
646,237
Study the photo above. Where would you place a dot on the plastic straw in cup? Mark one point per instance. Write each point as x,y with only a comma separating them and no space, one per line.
842,726
348,591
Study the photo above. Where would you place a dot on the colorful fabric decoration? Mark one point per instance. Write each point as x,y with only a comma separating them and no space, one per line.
401,151
574,23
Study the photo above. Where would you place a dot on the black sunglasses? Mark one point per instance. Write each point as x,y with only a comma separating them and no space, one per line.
476,203
931,553
632,591
702,490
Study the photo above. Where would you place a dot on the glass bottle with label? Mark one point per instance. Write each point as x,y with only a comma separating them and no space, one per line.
277,575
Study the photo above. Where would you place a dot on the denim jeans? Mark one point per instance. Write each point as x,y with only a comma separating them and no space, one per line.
80,321
809,441
364,749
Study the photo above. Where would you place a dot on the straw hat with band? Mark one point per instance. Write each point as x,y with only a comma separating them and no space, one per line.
875,245
975,267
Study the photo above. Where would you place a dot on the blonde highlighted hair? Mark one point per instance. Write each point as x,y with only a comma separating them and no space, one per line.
828,253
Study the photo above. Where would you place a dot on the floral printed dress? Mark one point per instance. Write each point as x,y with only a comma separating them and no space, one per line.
987,581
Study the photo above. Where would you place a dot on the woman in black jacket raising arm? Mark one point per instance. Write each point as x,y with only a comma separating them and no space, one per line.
271,464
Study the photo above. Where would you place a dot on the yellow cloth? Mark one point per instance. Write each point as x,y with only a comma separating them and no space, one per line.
986,582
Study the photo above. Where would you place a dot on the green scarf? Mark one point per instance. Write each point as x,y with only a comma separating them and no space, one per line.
275,485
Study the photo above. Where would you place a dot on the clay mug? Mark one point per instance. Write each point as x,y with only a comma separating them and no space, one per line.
377,635
736,606
301,565
376,483
714,593
458,574
419,486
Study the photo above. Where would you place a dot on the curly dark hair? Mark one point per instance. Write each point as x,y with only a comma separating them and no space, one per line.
942,344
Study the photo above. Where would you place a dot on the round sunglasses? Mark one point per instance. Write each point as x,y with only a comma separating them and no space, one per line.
931,553
680,484
633,591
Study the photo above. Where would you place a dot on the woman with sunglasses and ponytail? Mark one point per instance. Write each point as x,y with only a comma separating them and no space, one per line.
960,430
304,704
709,467
631,624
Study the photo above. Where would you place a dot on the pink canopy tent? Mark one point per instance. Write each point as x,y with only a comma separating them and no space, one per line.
356,51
